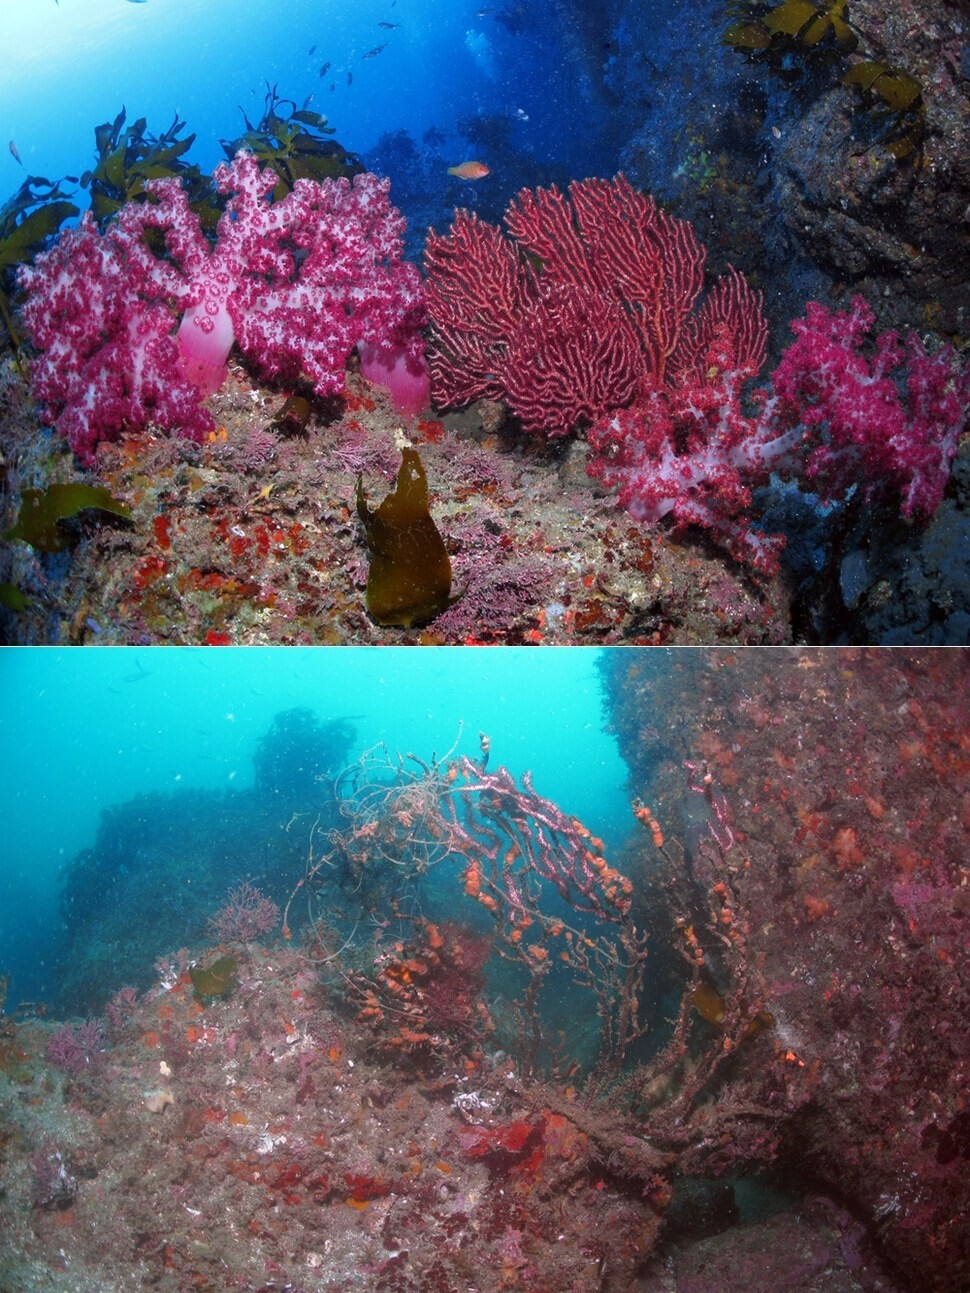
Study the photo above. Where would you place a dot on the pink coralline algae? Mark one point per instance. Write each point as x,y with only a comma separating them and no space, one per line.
611,305
296,283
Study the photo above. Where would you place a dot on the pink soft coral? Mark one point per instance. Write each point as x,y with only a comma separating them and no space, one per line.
297,283
887,421
689,452
109,359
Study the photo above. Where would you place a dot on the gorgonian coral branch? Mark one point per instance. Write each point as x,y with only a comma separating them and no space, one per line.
595,296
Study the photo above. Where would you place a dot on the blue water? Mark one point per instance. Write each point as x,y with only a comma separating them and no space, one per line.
77,62
83,730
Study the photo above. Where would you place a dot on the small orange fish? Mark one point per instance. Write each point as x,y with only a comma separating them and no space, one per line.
469,170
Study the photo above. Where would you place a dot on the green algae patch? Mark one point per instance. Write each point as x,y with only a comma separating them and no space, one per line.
293,141
215,980
42,510
409,581
12,598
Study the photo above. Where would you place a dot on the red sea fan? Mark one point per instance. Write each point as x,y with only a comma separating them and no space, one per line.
79,1049
247,915
595,296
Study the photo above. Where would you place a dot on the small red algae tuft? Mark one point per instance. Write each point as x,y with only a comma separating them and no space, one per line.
816,908
846,850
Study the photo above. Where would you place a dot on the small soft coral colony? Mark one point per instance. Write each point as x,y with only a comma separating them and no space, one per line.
861,430
297,284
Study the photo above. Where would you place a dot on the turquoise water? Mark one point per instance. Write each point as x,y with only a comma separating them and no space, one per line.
83,730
